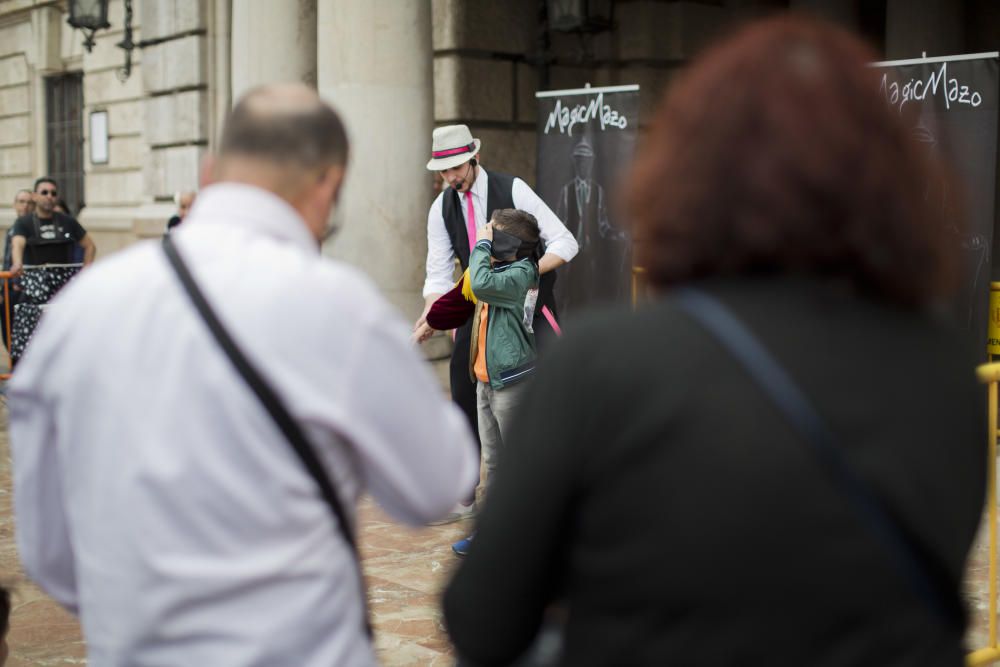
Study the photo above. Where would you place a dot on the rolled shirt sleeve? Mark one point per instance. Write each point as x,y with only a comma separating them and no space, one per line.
558,239
415,446
440,268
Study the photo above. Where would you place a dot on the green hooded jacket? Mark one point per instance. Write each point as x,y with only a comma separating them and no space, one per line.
510,289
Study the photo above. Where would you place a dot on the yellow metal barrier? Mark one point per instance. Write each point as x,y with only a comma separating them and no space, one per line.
6,333
989,374
638,283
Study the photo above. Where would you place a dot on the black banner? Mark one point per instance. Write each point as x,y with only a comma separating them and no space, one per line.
586,138
957,99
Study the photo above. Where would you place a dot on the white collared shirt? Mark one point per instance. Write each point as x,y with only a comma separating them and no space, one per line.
440,254
153,493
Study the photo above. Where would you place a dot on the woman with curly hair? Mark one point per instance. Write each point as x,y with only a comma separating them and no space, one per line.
778,461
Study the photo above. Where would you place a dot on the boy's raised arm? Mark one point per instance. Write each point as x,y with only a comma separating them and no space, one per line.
504,287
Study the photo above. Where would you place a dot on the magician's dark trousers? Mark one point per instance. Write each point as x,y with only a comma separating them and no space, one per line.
463,389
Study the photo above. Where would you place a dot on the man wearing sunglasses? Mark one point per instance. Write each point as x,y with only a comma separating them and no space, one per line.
24,204
45,240
47,236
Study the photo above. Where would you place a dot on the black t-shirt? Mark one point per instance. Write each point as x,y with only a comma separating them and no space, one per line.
49,241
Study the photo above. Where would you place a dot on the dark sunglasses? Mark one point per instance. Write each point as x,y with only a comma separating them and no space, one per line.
48,192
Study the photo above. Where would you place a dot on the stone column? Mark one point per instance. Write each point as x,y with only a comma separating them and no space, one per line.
220,30
375,67
175,85
272,40
46,30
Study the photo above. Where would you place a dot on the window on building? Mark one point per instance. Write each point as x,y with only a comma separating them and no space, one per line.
64,135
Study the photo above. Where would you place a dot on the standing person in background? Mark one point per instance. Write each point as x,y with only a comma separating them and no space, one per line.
210,543
184,202
465,206
24,205
776,202
48,241
47,236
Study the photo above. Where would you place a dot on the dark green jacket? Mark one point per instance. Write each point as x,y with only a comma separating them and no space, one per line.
510,342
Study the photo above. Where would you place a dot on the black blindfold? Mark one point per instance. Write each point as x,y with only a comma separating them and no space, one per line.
505,245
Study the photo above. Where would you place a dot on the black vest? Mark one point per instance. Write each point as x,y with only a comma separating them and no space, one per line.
499,194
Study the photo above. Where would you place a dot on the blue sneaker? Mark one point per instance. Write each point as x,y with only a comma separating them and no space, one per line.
461,548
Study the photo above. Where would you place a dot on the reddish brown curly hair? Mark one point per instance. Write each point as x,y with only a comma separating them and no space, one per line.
775,153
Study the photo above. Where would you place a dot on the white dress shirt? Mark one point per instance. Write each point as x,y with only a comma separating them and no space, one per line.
153,493
441,255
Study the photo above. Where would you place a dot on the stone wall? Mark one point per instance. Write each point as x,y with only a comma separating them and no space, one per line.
160,118
175,77
32,46
490,58
17,104
112,191
483,77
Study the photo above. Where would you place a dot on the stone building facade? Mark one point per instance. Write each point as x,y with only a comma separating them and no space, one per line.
395,68
159,119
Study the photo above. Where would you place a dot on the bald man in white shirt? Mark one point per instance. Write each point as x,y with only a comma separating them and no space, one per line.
154,494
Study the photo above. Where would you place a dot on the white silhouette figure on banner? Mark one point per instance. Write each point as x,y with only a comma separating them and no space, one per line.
598,272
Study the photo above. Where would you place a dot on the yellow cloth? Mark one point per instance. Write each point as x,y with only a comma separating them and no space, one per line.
467,287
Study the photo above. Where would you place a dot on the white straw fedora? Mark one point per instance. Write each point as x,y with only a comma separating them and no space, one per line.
451,146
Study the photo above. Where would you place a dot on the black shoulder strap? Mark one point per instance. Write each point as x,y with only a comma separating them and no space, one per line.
454,224
274,406
914,564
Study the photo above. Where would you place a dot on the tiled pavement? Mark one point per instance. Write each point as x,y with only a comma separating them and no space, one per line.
41,633
977,591
406,570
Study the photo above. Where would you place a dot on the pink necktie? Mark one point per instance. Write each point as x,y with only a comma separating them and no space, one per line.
470,221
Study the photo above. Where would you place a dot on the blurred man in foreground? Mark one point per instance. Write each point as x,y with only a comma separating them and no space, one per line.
155,497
